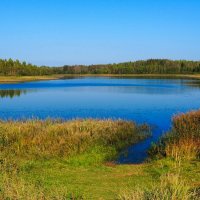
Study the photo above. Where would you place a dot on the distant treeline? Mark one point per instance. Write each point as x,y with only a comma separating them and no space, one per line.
152,66
16,68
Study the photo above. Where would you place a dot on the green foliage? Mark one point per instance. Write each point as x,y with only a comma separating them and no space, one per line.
152,66
17,68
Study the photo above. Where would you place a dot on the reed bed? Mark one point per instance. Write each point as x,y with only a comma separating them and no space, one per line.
181,144
25,146
57,138
36,140
183,141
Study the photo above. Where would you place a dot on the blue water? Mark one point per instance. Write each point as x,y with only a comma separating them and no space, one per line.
152,101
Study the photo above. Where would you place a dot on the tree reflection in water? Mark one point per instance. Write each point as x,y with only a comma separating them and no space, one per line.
11,93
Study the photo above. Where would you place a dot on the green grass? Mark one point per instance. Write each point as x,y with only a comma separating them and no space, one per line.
56,153
73,160
104,181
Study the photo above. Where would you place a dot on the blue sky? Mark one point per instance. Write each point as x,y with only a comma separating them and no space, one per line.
58,32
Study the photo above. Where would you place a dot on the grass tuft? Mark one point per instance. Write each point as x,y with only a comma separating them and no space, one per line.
183,141
15,188
171,187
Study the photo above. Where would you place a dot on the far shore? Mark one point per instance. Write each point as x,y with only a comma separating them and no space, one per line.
18,79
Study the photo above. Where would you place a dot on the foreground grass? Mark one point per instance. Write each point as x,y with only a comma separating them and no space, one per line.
178,152
35,139
72,160
53,150
59,178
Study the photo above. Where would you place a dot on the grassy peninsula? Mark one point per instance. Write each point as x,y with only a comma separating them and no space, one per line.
18,79
56,159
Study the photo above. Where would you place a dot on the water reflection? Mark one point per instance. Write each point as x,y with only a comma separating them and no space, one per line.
152,101
101,82
11,93
195,84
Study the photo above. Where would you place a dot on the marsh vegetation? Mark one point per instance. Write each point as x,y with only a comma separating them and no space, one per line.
181,145
55,159
183,141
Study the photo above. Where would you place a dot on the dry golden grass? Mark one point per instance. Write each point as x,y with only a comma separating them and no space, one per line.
28,146
171,187
37,140
183,142
16,79
15,188
51,138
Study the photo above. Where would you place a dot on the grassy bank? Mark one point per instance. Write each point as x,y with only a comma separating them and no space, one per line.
183,141
181,146
56,149
73,160
18,79
49,139
193,76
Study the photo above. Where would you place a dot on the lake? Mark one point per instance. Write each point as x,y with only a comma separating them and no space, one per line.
153,101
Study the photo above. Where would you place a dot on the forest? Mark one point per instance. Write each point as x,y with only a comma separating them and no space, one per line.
12,67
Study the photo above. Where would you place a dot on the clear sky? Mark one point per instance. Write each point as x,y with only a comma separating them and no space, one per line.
58,32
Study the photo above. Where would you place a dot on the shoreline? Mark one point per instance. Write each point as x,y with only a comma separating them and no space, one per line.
20,79
42,157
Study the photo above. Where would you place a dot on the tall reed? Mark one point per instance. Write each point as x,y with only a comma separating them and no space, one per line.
57,138
183,141
50,139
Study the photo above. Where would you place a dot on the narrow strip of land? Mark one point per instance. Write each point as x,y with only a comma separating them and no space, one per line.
18,79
